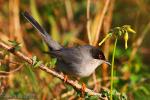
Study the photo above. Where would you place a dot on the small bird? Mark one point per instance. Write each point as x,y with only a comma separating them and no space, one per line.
80,61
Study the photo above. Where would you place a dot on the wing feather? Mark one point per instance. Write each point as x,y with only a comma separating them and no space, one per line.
68,55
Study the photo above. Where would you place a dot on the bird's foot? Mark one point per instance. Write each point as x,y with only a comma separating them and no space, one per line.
83,89
96,87
65,78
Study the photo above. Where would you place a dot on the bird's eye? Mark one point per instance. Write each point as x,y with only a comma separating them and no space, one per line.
100,56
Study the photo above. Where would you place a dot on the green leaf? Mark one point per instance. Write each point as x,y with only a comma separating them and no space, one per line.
53,61
38,63
15,44
32,77
134,78
145,90
35,62
86,96
93,98
34,58
105,93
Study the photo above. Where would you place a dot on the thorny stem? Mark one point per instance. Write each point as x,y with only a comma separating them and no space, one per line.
112,68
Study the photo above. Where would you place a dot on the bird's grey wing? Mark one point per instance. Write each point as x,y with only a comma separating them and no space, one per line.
68,55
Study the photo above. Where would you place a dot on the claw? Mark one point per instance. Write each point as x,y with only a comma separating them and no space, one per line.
65,78
83,89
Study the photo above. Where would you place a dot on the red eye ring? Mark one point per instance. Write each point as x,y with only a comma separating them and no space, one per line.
100,56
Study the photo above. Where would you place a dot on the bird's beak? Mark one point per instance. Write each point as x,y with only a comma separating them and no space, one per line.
107,62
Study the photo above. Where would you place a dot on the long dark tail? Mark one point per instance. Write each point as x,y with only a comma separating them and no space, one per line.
53,45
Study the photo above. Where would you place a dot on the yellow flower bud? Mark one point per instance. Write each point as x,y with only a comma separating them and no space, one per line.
106,37
129,29
126,39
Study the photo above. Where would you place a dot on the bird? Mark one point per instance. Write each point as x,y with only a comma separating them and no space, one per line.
78,61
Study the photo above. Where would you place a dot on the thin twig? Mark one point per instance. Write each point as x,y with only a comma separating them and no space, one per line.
100,22
75,85
88,22
78,41
3,76
69,10
10,72
69,93
12,62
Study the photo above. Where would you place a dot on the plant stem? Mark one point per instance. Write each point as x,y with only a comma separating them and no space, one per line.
112,68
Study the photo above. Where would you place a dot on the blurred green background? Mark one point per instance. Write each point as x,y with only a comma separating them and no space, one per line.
66,21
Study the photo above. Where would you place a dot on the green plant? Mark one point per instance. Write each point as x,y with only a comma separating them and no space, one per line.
117,32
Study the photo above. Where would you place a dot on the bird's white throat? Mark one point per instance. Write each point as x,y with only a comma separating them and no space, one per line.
90,67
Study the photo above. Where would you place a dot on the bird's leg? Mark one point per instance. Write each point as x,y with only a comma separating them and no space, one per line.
83,89
96,87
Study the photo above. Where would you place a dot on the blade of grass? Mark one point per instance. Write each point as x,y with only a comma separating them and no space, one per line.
54,29
88,22
34,11
96,37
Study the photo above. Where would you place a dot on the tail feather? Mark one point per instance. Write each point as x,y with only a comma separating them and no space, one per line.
53,45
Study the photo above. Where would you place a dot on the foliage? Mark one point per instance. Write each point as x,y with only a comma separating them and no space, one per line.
117,32
66,22
35,62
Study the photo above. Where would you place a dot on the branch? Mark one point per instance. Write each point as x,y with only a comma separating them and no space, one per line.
75,85
10,72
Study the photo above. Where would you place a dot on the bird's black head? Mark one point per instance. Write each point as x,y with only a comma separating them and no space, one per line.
97,54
